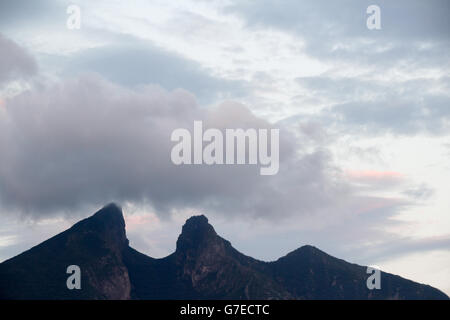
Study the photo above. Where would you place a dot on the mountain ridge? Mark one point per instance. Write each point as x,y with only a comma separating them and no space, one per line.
203,266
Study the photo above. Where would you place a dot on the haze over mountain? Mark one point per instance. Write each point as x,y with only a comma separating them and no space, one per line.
203,266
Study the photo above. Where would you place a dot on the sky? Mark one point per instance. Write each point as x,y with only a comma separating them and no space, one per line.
364,116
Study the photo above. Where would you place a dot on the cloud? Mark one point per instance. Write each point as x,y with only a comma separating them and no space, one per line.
132,62
347,17
84,142
15,62
390,80
420,192
89,141
337,30
372,106
402,115
23,12
398,246
376,179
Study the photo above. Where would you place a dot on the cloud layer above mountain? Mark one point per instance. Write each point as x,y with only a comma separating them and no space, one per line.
87,140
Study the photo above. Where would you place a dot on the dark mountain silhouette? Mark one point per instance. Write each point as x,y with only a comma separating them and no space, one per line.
204,266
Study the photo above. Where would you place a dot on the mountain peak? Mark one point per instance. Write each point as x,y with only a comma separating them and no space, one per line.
306,252
107,223
110,216
198,220
195,232
111,210
95,244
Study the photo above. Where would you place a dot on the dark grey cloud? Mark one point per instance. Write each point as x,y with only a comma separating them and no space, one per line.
15,62
88,141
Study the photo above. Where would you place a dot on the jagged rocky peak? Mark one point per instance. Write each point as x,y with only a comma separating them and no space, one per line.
196,232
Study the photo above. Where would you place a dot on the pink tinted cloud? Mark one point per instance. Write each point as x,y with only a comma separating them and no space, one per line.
372,174
373,177
136,220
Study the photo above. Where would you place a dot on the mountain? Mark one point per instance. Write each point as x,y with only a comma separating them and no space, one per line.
96,244
203,266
